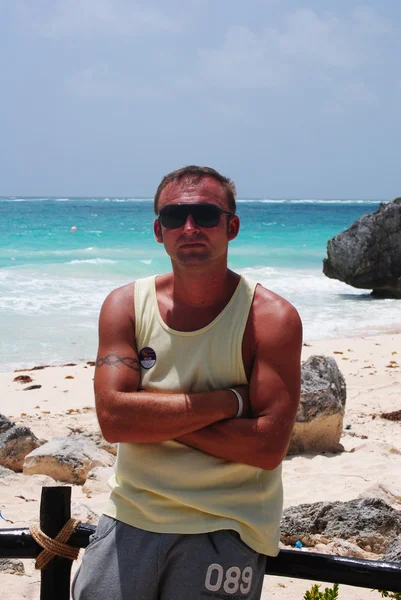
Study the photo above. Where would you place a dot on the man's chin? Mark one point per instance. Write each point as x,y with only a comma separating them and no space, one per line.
196,256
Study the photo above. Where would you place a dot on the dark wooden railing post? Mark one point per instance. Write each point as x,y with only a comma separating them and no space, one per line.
55,511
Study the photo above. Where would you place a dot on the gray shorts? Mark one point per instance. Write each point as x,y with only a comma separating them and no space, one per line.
126,563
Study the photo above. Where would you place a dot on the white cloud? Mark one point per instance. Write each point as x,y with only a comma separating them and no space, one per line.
330,41
324,51
96,81
368,22
244,62
229,111
344,99
94,18
102,81
307,41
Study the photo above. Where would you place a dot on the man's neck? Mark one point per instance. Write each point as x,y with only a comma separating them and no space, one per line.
197,288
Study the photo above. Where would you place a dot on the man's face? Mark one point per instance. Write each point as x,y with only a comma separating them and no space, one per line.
192,244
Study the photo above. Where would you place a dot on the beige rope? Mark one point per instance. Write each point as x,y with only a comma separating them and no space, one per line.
55,547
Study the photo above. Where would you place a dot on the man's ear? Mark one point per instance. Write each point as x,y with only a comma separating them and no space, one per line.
157,228
233,227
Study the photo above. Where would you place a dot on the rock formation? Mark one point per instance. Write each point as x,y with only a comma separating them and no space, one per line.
389,495
15,443
393,550
98,439
4,472
82,512
344,548
11,566
319,421
97,481
367,522
367,255
67,459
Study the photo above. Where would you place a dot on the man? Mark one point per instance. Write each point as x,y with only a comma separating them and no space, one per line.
198,380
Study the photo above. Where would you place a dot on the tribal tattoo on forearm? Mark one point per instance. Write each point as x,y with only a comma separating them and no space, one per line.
113,360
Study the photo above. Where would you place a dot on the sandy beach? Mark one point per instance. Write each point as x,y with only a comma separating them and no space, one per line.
64,404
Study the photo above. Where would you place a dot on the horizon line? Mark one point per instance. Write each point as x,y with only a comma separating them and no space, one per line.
150,198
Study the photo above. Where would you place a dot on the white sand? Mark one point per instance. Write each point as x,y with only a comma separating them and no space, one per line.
372,445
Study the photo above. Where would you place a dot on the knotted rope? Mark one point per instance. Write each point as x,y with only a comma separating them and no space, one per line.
57,546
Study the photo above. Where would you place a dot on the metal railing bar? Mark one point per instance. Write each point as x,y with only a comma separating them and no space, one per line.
373,574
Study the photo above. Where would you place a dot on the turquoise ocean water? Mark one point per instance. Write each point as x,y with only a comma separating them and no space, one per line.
53,280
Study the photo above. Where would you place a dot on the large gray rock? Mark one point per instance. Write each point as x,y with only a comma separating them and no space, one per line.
344,548
393,550
5,472
97,438
389,495
12,566
320,415
368,522
67,459
367,255
84,513
15,443
5,423
97,481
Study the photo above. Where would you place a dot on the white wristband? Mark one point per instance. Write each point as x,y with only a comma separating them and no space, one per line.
240,403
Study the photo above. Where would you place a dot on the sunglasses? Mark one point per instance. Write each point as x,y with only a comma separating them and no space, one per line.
173,216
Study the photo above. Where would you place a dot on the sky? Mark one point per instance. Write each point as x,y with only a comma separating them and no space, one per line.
289,98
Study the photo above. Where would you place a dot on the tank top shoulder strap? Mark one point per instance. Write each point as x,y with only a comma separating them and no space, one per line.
249,287
143,302
242,305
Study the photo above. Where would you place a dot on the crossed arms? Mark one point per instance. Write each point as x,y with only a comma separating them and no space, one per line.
203,420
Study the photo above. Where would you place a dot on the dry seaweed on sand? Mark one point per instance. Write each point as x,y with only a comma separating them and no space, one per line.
392,416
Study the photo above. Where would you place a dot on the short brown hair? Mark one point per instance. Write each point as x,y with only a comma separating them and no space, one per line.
194,174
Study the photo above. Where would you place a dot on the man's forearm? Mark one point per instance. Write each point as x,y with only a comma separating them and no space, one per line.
141,417
238,440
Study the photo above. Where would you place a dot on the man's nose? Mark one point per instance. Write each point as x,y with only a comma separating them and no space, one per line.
190,224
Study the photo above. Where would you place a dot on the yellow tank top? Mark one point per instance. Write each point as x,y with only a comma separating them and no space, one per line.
169,487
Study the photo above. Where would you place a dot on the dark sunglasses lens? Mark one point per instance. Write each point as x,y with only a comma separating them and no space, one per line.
173,217
207,216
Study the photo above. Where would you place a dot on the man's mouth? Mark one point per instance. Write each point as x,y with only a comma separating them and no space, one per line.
192,245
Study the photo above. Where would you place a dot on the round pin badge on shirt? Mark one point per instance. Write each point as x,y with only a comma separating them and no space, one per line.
147,357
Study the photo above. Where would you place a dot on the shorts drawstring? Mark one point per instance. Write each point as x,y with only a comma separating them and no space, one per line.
210,536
